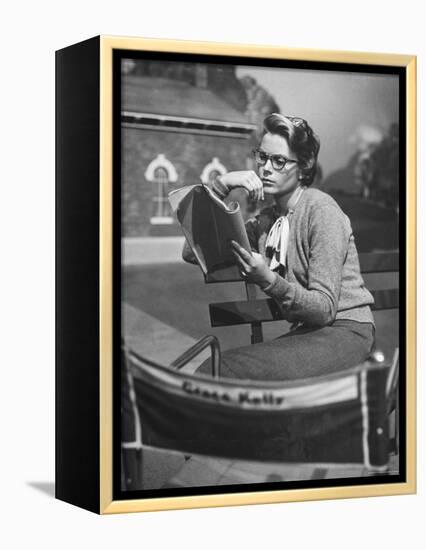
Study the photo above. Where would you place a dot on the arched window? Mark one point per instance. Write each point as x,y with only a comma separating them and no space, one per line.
213,174
161,212
160,173
212,170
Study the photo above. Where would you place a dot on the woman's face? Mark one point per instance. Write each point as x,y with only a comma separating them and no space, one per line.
278,182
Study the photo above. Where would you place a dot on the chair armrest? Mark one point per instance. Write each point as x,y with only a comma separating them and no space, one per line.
197,348
392,383
393,374
392,378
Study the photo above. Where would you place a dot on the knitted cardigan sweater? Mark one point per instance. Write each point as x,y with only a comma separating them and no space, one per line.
323,281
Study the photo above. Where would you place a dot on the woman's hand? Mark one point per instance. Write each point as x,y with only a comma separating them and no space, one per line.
247,179
252,266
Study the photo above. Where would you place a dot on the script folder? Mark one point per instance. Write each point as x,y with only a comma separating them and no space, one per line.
209,225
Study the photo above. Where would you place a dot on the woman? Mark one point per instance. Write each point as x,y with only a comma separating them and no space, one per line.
304,257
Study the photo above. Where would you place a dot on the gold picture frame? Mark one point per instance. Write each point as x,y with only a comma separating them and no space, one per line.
101,498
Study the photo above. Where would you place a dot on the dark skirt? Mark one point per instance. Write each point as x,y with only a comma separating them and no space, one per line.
301,353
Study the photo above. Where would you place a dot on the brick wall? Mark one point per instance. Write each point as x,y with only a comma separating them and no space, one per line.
189,153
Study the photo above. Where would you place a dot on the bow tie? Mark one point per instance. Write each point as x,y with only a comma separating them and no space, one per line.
277,239
277,243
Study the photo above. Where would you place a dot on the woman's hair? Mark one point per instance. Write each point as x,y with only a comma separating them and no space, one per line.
301,139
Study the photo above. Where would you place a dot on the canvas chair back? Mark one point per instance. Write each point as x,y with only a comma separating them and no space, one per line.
339,418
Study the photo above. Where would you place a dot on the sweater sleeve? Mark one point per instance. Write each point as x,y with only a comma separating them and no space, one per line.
220,188
329,232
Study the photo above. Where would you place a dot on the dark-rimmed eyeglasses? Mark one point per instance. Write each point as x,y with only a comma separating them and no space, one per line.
278,162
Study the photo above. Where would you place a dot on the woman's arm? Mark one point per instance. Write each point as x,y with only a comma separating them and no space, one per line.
247,179
329,235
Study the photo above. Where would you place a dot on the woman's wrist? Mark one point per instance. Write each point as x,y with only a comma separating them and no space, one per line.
269,280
